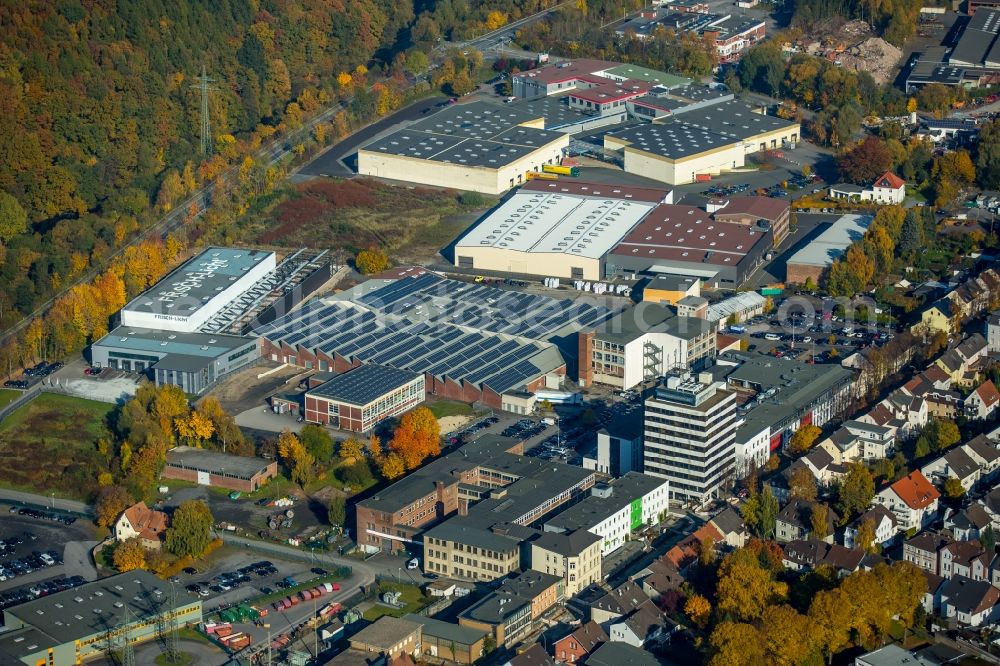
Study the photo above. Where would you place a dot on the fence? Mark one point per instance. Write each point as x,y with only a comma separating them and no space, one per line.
286,552
21,401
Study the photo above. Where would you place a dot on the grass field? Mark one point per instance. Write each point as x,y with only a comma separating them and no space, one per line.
443,408
48,446
412,597
8,396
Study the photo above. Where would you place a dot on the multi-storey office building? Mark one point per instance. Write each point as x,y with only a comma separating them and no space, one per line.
690,429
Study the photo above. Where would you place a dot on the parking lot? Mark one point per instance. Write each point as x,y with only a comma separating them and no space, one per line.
35,544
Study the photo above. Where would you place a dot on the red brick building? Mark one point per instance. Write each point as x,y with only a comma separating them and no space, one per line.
362,397
577,646
220,470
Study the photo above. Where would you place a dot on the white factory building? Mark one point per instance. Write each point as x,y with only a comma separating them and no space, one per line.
557,229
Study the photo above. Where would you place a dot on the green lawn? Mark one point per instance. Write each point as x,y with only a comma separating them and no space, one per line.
411,596
48,445
8,396
443,408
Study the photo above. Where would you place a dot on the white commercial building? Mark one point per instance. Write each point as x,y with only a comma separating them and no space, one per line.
556,229
196,291
690,436
615,510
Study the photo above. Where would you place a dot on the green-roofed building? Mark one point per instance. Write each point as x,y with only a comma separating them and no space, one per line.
639,73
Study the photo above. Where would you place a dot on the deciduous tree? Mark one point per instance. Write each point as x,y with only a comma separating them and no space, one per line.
417,437
865,161
737,644
351,449
392,466
865,538
188,534
111,501
804,438
953,488
372,260
818,521
856,491
802,483
336,510
129,555
698,609
745,589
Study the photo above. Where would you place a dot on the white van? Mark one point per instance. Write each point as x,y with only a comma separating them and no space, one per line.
413,564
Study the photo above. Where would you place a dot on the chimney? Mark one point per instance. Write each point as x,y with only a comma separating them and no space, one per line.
463,506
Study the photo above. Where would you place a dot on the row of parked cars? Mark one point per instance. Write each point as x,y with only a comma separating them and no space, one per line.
21,566
524,428
63,518
23,594
43,369
233,579
481,424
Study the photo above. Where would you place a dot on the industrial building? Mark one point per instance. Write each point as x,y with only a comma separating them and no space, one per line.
582,74
742,306
676,101
557,229
642,343
360,399
219,470
750,211
488,486
475,146
714,139
471,342
732,35
978,46
197,290
684,240
192,361
811,261
189,329
69,627
690,436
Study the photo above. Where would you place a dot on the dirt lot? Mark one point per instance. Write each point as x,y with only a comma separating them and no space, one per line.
245,390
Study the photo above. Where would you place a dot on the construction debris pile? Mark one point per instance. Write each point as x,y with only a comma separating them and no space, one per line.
875,56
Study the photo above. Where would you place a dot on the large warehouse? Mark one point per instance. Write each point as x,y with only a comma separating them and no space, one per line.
557,229
69,627
219,470
812,260
476,146
197,290
684,240
471,342
712,140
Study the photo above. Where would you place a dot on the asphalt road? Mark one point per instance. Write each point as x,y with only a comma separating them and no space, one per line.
329,162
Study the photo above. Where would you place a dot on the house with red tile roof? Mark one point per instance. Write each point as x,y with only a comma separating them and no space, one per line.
983,402
886,189
577,646
685,553
913,499
140,521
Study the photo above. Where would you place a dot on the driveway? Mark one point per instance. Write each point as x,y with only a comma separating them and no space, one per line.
262,418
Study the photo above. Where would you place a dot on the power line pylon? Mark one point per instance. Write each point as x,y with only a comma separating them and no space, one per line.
205,85
128,654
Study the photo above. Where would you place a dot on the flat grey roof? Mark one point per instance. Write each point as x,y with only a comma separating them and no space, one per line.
200,278
491,610
187,457
461,529
417,484
386,632
567,545
832,243
646,317
93,608
477,134
201,345
461,635
593,509
673,140
554,108
364,384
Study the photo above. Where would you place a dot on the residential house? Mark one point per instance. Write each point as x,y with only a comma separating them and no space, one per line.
686,552
969,602
860,440
619,602
883,523
913,499
938,317
956,463
992,505
993,332
886,189
809,554
506,618
903,412
659,577
794,522
541,589
964,558
891,655
983,402
533,656
617,653
821,464
985,453
140,521
730,525
931,599
644,625
924,550
580,644
968,523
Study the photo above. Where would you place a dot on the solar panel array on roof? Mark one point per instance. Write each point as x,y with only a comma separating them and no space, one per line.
447,328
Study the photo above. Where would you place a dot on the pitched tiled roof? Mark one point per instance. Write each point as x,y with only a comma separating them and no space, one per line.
961,463
988,393
151,525
915,490
588,636
982,447
889,179
970,596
